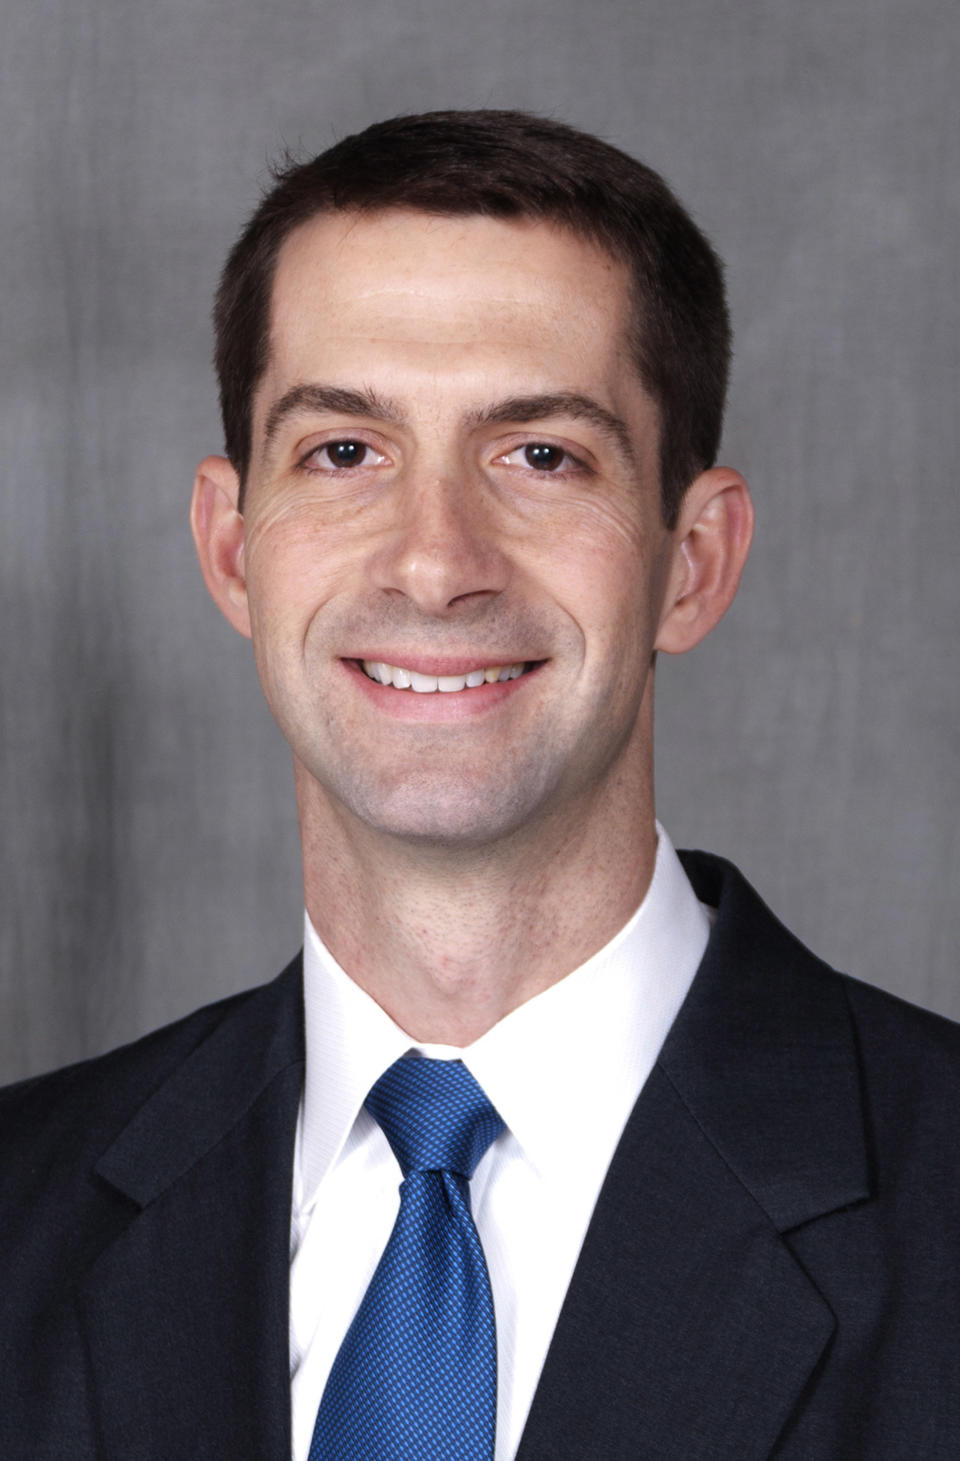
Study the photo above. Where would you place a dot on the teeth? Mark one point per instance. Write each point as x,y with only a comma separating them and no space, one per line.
402,679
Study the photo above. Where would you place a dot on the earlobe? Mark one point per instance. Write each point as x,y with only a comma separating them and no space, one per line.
218,532
711,543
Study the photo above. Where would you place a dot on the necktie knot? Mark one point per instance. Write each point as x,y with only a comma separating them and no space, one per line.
434,1115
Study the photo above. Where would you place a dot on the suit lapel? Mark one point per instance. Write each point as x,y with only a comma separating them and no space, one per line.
186,1311
689,1330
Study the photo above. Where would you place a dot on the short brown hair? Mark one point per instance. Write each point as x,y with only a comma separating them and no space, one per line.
505,164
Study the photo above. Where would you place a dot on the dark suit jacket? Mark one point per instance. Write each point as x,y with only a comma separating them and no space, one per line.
771,1269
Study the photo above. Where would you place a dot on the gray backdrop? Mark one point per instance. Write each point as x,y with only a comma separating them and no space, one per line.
149,851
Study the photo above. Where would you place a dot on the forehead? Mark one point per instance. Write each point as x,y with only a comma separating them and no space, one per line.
448,297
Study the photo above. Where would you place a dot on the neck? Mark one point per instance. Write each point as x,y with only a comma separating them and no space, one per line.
450,940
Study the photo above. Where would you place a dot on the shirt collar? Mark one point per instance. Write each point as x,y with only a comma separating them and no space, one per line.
605,1022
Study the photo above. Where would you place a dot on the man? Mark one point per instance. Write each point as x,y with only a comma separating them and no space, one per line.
686,1193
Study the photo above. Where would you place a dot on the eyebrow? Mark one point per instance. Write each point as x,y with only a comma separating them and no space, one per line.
302,400
311,397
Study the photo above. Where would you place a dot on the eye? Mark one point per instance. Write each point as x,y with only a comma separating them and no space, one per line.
542,456
340,455
344,453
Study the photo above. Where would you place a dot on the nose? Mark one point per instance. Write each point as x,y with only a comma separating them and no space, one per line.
442,550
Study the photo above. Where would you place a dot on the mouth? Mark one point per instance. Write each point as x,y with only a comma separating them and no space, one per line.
403,678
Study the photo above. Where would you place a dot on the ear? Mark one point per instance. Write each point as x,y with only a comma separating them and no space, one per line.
218,532
710,546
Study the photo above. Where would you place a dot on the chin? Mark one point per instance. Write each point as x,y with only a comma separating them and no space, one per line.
429,812
465,823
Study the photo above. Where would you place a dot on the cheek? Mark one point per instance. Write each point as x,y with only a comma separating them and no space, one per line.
294,563
603,570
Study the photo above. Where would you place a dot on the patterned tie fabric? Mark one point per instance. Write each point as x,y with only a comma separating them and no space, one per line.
416,1376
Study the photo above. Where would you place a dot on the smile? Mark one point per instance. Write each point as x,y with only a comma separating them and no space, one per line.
403,679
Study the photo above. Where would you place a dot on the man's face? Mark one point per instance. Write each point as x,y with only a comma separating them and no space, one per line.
454,470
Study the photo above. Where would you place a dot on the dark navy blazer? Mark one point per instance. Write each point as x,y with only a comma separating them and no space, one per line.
772,1269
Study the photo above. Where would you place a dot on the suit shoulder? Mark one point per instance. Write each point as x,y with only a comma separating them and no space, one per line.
909,1057
64,1118
880,1013
756,965
758,933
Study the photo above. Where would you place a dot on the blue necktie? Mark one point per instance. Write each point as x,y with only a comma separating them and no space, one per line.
416,1376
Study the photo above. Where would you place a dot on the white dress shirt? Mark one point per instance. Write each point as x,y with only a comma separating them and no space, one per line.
563,1071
